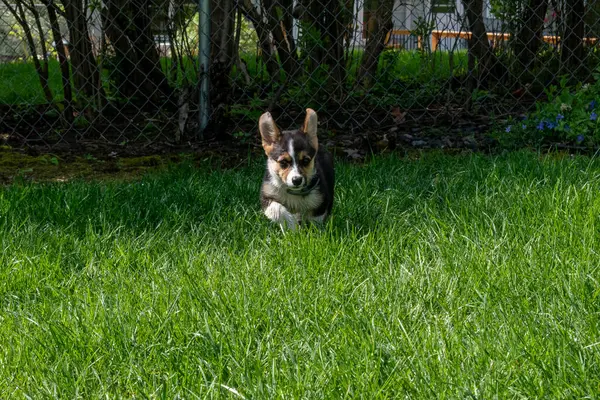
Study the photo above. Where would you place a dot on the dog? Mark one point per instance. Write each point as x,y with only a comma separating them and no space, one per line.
298,184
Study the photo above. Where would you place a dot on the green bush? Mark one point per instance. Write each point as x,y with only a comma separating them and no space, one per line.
569,115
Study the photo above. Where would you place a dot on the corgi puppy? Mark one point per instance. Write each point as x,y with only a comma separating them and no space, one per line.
299,177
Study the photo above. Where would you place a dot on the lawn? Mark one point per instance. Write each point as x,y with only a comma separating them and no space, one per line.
19,82
439,277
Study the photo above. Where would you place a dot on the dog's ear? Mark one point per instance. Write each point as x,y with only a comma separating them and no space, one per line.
310,127
268,131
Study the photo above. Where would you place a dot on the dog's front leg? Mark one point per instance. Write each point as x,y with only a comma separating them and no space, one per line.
276,212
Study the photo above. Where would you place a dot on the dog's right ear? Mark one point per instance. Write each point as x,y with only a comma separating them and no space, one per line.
268,131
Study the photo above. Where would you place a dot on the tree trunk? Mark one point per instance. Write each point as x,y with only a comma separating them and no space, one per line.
378,26
241,66
138,72
62,59
85,70
281,29
489,68
330,20
573,55
114,21
149,74
38,23
333,36
42,71
311,13
222,21
529,37
592,18
264,40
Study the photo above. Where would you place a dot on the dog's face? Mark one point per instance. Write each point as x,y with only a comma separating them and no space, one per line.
291,154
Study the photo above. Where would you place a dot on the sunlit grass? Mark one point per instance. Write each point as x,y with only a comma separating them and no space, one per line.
20,84
443,277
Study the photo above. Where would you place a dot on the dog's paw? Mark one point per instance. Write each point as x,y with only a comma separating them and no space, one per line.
279,214
319,219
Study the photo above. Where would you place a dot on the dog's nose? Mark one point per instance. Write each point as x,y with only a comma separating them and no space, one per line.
297,180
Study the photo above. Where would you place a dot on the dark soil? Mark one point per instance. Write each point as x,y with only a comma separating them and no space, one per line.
351,135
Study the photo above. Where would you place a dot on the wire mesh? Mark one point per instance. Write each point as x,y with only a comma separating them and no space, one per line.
128,70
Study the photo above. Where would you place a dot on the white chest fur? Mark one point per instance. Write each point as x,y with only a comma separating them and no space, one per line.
294,203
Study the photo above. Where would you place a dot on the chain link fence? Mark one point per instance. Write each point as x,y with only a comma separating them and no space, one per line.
173,71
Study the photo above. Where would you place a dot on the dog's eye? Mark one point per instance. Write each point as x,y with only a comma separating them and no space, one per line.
305,161
284,164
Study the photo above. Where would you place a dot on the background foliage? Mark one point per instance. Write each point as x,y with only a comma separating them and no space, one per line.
129,68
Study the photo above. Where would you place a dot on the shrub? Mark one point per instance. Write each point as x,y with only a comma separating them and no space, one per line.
570,115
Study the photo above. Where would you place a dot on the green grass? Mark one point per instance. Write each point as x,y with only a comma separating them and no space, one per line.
19,82
407,65
443,277
417,67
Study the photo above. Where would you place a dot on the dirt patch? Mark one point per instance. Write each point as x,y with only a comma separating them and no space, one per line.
58,164
99,159
18,166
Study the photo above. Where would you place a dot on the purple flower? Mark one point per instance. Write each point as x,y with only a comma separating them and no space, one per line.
540,126
559,117
593,116
592,104
524,126
508,128
550,125
580,138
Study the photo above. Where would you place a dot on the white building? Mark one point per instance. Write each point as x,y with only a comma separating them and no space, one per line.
441,15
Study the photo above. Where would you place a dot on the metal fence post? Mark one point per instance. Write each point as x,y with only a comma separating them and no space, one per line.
203,61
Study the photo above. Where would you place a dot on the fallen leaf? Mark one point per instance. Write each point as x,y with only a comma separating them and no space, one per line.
352,153
399,116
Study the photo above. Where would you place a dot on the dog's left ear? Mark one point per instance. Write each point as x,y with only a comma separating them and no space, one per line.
310,127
